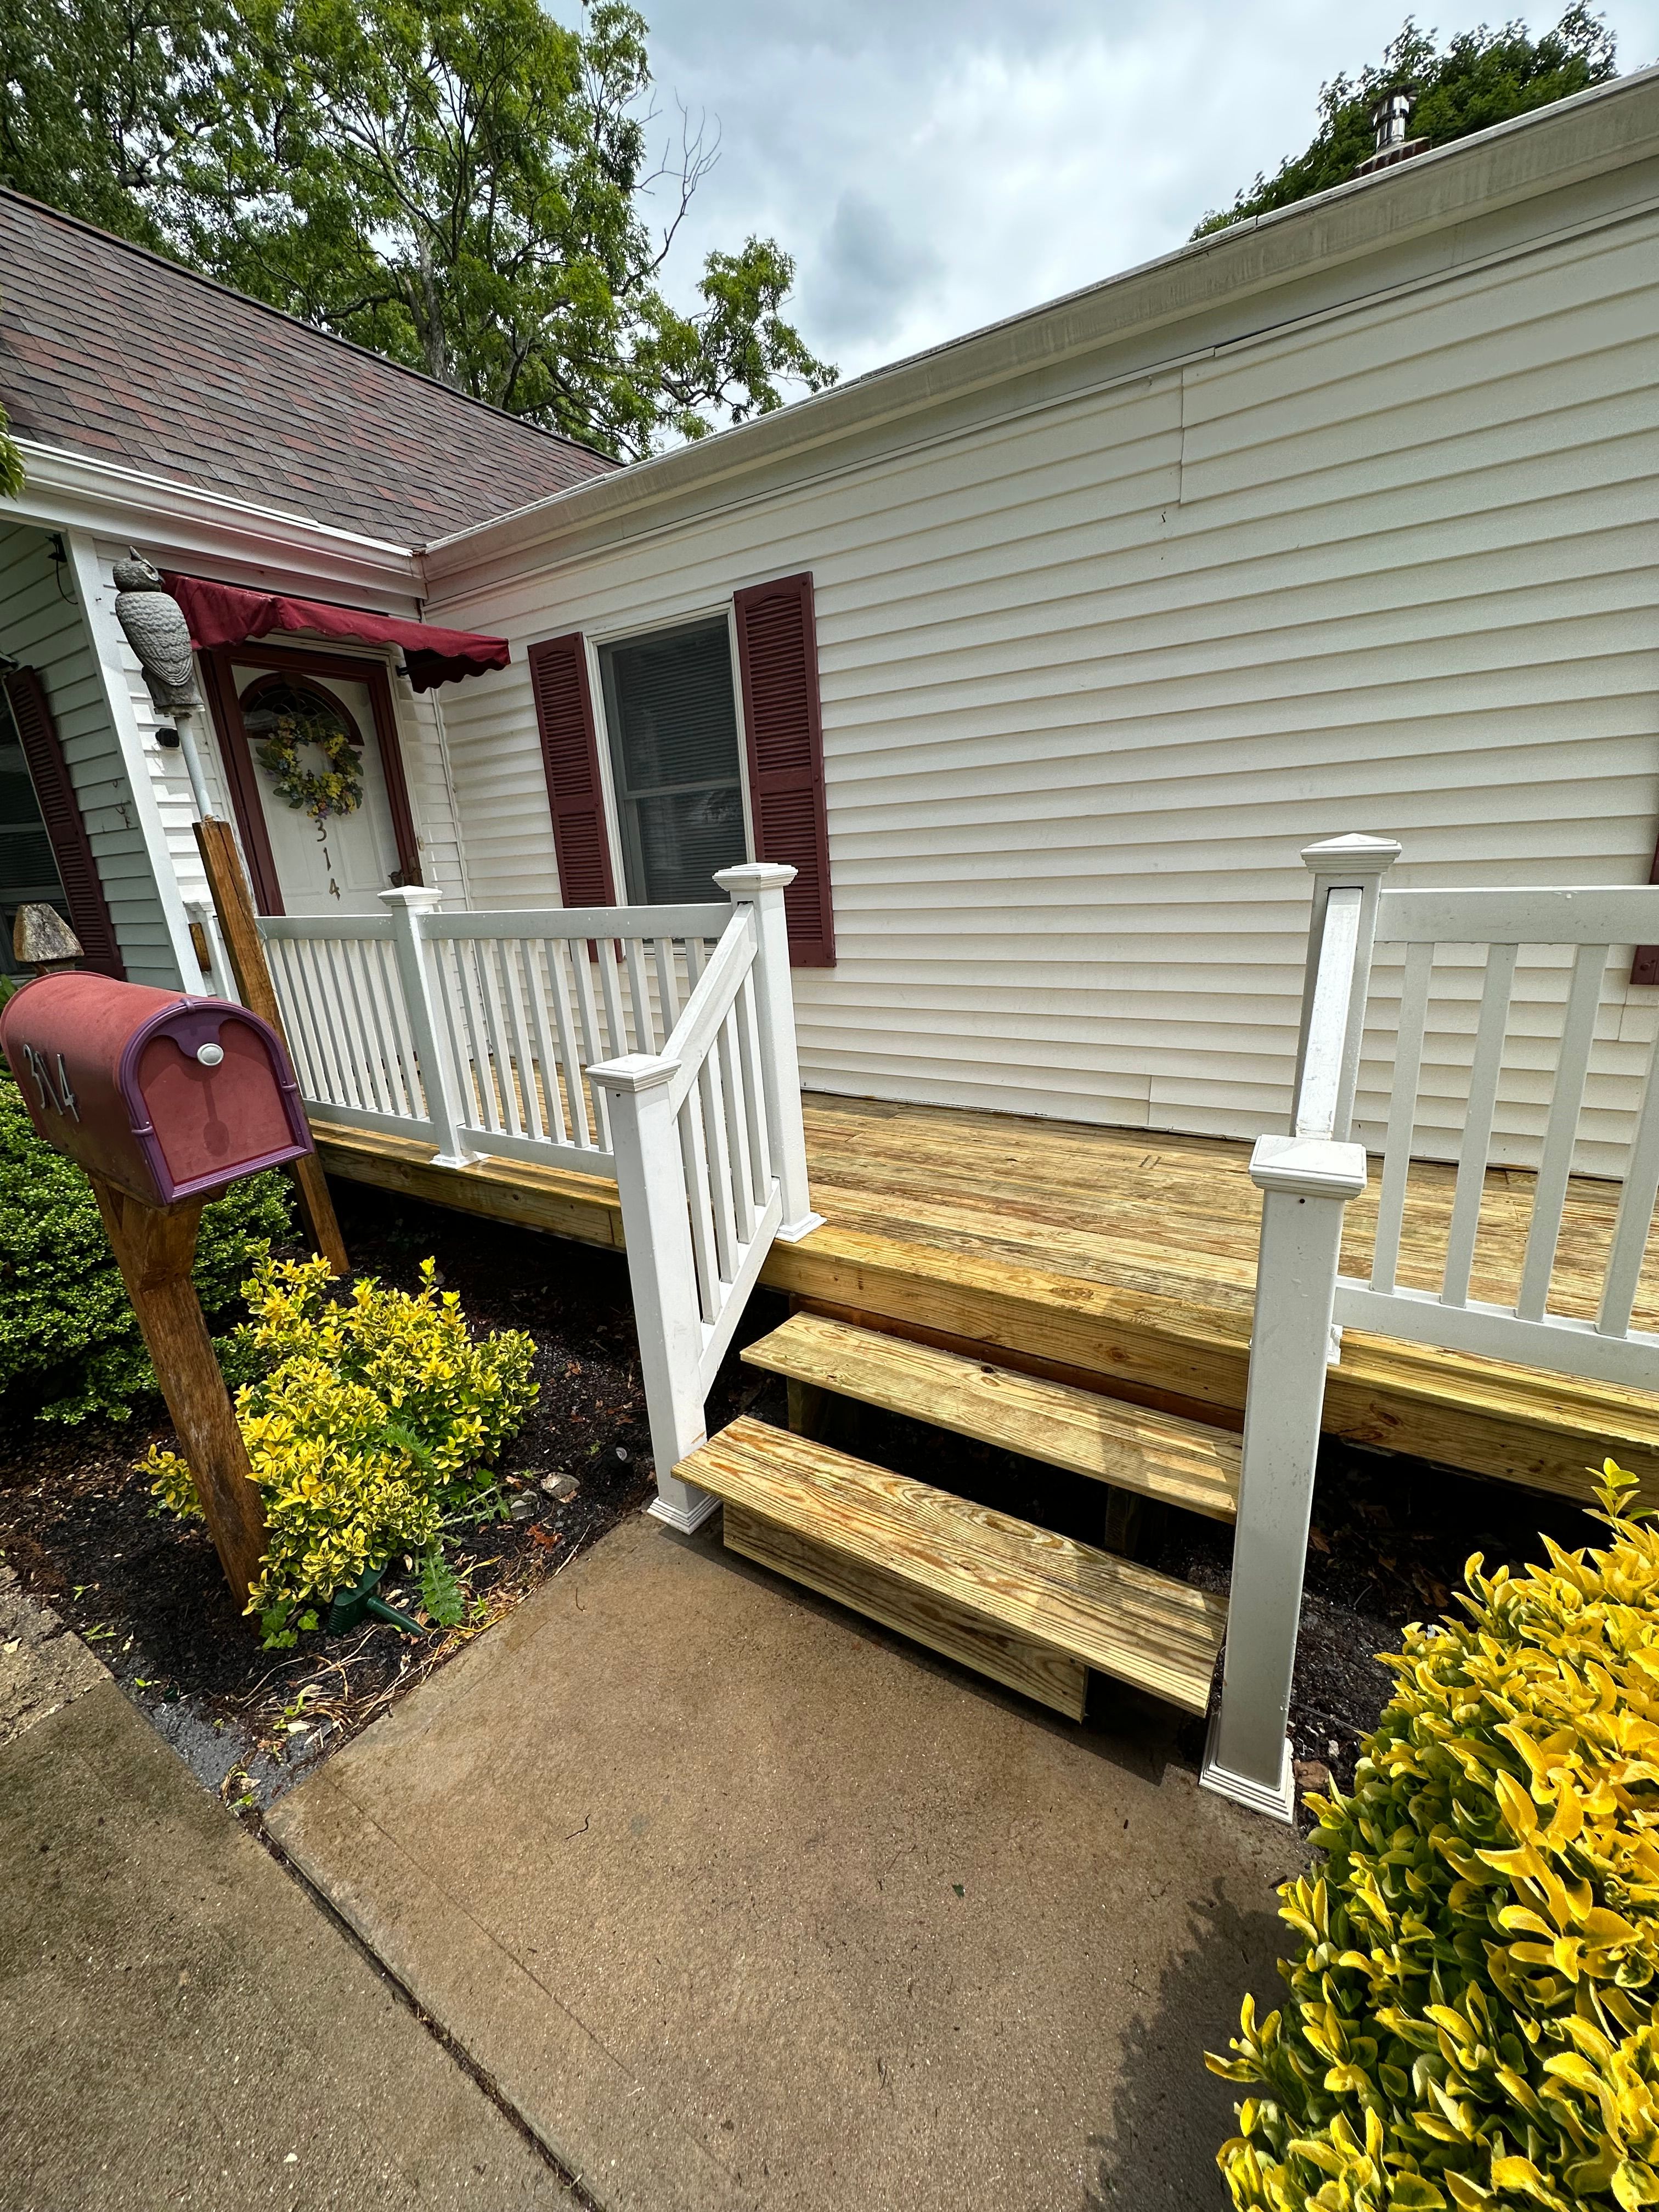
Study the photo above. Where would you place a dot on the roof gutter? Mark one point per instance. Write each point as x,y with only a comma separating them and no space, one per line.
185,524
1574,140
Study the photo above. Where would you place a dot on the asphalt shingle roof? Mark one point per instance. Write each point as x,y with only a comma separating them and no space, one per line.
109,350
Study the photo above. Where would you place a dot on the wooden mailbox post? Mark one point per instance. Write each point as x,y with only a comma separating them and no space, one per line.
164,1100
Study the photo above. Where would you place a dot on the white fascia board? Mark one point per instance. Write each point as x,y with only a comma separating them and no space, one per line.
1606,129
96,595
185,524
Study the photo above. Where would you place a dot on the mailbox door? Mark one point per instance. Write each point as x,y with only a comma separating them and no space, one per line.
65,1060
213,1123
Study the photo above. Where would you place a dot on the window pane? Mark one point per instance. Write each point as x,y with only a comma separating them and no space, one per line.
28,869
683,839
673,730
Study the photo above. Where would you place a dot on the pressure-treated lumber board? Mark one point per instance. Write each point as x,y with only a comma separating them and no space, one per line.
1133,1447
233,901
1174,1215
1115,1260
968,1637
559,1202
1119,1618
1516,1423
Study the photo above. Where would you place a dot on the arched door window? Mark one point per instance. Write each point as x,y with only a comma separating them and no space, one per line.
269,700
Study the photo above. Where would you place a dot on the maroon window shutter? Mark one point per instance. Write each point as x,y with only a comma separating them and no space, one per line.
77,871
1644,968
570,758
778,657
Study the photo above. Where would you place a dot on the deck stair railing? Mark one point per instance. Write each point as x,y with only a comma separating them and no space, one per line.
1307,1178
656,1044
711,1166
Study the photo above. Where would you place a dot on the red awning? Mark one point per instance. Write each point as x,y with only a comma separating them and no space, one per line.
225,614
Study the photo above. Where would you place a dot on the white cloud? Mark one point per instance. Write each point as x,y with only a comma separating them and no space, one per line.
936,164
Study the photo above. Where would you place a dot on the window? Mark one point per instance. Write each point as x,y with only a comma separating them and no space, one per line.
28,866
270,699
674,757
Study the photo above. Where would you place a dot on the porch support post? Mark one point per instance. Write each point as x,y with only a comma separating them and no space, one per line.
243,950
1307,1183
651,1184
406,905
761,884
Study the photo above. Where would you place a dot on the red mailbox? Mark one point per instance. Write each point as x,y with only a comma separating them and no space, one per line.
164,1097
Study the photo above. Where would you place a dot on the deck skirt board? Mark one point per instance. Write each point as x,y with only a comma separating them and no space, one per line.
1108,1613
1158,1455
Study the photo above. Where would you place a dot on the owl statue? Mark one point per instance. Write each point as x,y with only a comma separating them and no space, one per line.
155,629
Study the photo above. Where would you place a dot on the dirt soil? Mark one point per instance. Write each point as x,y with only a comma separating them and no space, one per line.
1389,1540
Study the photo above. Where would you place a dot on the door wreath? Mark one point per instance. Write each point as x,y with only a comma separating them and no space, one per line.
337,789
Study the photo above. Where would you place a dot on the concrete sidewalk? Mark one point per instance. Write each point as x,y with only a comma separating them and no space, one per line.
746,1903
179,2024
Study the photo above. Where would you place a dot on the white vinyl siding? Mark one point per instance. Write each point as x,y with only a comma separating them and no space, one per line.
1092,675
41,624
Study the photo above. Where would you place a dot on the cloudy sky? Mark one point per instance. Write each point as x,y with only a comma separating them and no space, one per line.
934,164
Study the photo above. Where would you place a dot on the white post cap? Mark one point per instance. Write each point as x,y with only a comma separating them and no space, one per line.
755,875
423,896
1309,1167
1355,854
633,1071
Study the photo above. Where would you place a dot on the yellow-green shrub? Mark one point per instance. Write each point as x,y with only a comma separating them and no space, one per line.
373,1427
1471,2017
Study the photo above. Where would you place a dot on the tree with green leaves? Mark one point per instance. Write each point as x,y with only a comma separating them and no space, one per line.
464,185
1481,77
98,98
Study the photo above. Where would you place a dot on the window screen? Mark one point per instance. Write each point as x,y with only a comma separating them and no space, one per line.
673,732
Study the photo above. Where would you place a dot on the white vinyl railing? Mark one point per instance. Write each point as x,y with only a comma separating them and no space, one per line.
711,1165
1307,1178
476,1032
656,1044
1500,923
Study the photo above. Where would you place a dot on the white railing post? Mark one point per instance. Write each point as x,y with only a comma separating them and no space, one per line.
761,884
1307,1183
204,915
1353,862
651,1184
406,906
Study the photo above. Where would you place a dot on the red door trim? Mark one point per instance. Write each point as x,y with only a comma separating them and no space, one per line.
243,777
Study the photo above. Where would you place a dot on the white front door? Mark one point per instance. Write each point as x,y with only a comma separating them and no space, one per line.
341,864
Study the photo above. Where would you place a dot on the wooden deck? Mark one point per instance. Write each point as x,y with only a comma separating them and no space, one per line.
1123,1260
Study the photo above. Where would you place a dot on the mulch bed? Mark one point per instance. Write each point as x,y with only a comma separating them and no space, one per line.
1389,1540
147,1592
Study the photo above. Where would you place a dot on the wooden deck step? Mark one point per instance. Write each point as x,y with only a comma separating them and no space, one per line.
1030,1608
1159,1456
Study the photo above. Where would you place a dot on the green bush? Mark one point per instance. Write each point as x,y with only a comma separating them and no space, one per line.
69,1346
370,1432
1472,2016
